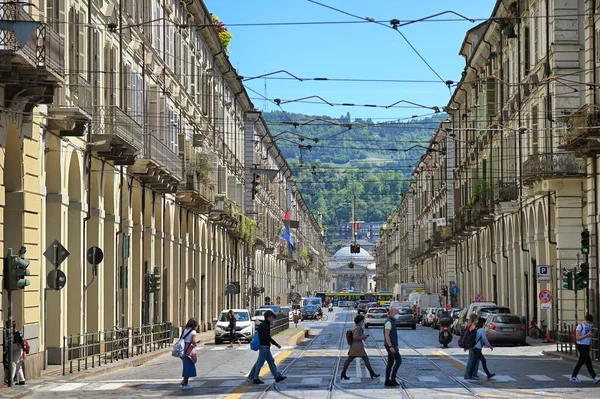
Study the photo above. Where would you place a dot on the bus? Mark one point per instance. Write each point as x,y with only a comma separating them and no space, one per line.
349,298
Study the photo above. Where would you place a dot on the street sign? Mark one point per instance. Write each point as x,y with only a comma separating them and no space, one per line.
95,256
56,253
544,273
454,290
56,279
547,305
545,296
479,298
452,283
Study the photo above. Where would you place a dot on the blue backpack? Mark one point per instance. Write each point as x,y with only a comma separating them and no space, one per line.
255,344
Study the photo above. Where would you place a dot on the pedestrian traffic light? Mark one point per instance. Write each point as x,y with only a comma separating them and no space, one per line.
357,248
17,270
585,242
149,282
583,276
156,279
567,279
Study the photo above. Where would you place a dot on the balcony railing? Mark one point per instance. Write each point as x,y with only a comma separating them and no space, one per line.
583,123
45,49
113,123
552,166
158,152
83,90
506,191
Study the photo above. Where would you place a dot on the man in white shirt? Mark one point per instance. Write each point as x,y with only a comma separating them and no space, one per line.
583,333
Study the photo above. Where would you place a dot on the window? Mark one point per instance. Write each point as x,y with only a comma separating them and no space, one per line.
534,130
158,29
536,31
136,97
527,48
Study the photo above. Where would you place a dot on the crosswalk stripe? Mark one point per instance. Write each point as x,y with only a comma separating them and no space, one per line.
540,378
311,381
428,379
501,378
219,348
358,368
581,377
69,386
108,387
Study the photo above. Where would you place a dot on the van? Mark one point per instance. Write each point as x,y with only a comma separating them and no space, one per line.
427,301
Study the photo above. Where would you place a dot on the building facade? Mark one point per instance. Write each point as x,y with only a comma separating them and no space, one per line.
124,126
508,182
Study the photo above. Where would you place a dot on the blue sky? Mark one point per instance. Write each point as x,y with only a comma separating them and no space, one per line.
356,51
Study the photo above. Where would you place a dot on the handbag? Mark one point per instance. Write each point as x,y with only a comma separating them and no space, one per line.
179,348
255,344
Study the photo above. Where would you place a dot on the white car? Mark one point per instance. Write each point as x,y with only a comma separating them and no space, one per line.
244,326
259,316
376,317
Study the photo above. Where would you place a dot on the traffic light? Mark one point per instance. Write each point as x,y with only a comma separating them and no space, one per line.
352,248
17,270
445,292
149,282
156,279
351,265
357,248
567,279
583,276
585,242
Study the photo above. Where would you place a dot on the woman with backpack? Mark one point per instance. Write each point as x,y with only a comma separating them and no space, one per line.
189,359
357,347
583,333
472,363
477,349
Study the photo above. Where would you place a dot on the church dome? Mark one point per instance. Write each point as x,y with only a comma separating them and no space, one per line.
344,254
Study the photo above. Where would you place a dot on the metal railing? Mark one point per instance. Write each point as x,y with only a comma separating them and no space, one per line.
565,343
506,191
548,166
159,152
110,120
282,323
46,49
83,89
90,350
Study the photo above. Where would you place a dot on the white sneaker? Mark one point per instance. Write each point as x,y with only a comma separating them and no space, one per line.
597,379
186,387
575,379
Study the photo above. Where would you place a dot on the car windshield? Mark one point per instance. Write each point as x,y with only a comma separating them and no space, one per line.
241,316
494,310
377,310
260,312
507,319
404,311
312,302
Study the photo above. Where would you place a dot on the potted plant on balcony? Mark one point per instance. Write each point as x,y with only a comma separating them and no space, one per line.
593,122
224,34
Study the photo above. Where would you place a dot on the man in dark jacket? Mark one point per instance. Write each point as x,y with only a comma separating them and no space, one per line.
264,353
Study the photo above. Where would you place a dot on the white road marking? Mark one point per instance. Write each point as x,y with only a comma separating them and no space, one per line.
453,358
428,379
311,381
69,386
540,378
358,368
581,377
219,348
108,387
500,378
154,380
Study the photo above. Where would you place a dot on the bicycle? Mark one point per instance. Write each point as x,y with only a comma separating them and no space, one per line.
322,317
536,332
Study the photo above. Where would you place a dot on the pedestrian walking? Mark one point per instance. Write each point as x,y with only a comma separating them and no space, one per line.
264,353
583,334
480,340
18,353
391,346
232,329
472,362
190,338
357,348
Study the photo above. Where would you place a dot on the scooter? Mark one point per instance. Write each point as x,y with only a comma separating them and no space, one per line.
445,336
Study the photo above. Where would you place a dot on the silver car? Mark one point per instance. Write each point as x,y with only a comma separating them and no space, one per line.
376,317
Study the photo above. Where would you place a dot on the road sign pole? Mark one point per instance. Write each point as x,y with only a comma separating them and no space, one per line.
10,337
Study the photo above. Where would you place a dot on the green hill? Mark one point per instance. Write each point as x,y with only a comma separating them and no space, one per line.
335,159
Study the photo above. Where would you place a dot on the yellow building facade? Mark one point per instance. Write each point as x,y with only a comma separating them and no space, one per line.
124,126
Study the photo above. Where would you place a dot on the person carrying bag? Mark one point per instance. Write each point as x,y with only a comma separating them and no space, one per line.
188,341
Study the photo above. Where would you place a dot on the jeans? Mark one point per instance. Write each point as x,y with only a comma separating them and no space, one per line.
264,354
17,363
478,355
584,358
395,360
473,363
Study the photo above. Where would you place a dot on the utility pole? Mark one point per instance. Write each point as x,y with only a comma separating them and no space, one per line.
353,220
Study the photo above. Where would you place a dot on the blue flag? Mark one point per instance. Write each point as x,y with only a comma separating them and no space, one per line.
287,236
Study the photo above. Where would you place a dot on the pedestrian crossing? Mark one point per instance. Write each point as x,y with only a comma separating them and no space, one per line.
292,381
243,347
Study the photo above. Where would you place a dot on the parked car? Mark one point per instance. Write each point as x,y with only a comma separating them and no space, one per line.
362,305
429,315
485,311
460,322
505,328
476,305
259,316
406,318
275,308
244,326
376,317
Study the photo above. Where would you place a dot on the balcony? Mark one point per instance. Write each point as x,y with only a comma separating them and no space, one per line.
115,136
41,60
82,93
159,167
506,197
196,195
552,166
225,212
581,130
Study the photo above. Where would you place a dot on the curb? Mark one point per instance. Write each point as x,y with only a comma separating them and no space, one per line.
298,337
561,356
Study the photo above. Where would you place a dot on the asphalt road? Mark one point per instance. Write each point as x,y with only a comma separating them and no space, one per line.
313,370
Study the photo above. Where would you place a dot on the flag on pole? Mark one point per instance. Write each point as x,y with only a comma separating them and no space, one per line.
286,235
287,215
